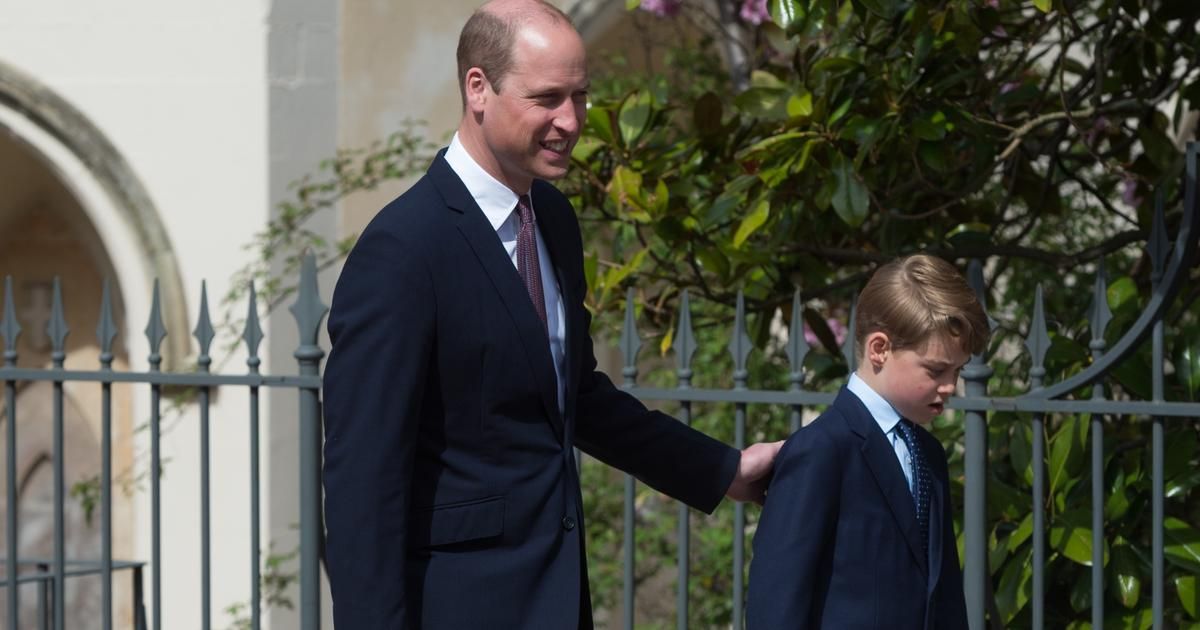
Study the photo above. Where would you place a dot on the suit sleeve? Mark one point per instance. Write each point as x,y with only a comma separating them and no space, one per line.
799,519
661,451
616,428
381,326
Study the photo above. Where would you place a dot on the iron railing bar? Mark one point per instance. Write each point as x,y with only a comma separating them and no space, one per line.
106,511
156,505
162,378
85,569
739,529
10,516
139,602
1172,409
255,613
684,543
1157,490
627,552
1038,597
60,543
43,605
205,516
1097,520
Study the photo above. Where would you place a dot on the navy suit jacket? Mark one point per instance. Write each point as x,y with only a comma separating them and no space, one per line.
452,498
838,545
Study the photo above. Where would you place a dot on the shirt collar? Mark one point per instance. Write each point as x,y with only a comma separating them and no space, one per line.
495,199
881,410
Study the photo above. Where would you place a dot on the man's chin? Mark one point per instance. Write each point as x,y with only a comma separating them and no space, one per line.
552,172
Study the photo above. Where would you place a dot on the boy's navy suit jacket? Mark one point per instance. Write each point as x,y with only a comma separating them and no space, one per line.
838,545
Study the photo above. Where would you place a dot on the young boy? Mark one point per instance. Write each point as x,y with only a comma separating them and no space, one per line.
856,531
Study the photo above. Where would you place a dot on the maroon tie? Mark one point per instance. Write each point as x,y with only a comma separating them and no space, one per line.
527,258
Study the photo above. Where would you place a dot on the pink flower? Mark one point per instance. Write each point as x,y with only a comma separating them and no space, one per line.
1129,191
995,4
662,8
835,326
755,11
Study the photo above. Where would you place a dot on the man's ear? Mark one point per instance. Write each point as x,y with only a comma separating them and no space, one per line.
878,347
477,88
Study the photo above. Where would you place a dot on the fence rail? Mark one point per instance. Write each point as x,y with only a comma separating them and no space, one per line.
308,312
1171,265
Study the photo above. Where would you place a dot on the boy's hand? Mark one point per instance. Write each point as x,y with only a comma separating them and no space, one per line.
754,472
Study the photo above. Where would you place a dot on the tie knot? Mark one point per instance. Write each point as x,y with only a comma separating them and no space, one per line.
524,210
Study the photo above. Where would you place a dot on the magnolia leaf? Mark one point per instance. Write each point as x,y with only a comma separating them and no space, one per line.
1042,5
585,147
632,4
591,263
757,217
600,123
1066,451
665,345
764,79
800,104
633,116
1187,366
786,12
1125,575
660,198
1071,535
773,142
1185,585
1182,544
850,199
1122,291
626,188
616,275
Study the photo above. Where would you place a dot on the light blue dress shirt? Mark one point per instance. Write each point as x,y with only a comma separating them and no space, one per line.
887,418
499,205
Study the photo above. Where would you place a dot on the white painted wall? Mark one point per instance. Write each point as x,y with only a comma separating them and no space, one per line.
217,106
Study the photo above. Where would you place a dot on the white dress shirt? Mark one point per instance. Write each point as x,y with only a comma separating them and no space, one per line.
888,419
499,205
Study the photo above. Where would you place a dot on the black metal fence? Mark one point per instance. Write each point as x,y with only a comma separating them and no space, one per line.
1171,265
52,575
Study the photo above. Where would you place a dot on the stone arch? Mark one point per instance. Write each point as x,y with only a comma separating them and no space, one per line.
110,195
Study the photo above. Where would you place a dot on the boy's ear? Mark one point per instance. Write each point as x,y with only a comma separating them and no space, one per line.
878,346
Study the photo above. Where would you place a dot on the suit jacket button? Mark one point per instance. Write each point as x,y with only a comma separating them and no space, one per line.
568,523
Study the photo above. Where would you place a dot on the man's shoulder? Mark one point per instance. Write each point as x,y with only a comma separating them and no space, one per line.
413,213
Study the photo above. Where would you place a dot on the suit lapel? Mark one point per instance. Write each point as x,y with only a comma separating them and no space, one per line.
935,527
881,460
499,268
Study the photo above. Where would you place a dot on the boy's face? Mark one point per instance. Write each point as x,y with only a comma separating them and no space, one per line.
918,381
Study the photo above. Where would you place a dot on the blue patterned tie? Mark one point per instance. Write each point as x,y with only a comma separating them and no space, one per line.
921,481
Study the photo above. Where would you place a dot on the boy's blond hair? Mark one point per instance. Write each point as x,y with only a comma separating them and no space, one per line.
915,298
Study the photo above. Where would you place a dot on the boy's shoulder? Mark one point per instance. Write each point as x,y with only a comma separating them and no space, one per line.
828,429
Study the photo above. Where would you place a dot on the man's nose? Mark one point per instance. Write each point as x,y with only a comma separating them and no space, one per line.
568,118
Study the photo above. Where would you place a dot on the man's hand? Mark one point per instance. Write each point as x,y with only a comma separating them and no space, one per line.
754,472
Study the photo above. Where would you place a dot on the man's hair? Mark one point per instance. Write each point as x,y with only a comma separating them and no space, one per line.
916,298
486,41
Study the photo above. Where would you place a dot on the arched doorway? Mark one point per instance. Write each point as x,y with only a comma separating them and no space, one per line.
70,208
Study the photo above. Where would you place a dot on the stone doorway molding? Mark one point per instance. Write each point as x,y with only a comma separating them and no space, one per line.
114,198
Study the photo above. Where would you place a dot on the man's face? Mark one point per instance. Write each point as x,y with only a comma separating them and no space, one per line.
918,381
532,124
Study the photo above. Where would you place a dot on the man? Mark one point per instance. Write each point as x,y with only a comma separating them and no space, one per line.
462,376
